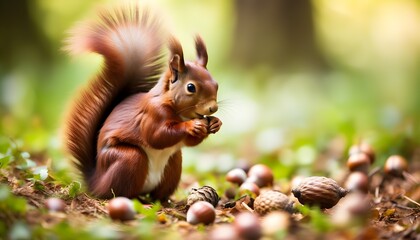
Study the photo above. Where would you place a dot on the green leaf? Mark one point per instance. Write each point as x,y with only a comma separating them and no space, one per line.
5,145
3,228
148,213
4,192
74,189
4,161
10,202
38,185
319,220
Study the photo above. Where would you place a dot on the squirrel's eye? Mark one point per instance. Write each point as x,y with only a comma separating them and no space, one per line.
191,88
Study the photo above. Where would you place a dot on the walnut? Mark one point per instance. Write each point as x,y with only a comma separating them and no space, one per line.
321,191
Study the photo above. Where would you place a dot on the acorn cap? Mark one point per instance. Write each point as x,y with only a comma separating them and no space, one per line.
272,200
205,193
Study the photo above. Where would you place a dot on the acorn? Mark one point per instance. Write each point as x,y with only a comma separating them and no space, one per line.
230,192
395,165
247,226
249,188
365,148
272,200
261,175
321,191
121,208
55,204
357,181
236,175
205,193
359,162
201,212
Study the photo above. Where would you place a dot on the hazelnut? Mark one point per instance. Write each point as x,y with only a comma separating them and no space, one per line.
261,175
223,232
395,165
121,208
359,162
230,193
363,148
357,181
55,204
205,193
201,212
249,188
248,226
236,175
321,191
271,200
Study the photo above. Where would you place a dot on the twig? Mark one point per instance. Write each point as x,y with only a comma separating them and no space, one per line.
247,207
373,172
410,177
411,200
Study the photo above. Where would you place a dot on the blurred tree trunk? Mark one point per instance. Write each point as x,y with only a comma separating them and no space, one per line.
277,33
21,40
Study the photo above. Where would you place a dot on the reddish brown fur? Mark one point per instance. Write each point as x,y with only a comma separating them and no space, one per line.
134,116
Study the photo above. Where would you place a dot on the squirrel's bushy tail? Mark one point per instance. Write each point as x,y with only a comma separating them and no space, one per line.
131,40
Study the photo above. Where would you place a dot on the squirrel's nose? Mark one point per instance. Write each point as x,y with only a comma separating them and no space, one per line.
213,108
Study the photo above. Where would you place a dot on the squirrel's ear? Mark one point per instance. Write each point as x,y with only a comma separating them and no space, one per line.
176,64
201,49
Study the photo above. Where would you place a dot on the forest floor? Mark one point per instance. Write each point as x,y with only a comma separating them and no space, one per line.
390,211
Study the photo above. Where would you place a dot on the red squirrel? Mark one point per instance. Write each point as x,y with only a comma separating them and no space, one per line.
127,127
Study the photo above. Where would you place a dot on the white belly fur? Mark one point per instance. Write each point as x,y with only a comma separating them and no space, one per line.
158,158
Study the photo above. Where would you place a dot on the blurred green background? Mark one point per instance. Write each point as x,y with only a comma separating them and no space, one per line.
300,81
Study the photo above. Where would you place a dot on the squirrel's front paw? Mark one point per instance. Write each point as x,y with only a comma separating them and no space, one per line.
214,124
197,127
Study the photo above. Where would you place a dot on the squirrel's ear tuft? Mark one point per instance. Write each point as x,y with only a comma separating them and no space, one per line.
176,63
201,49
